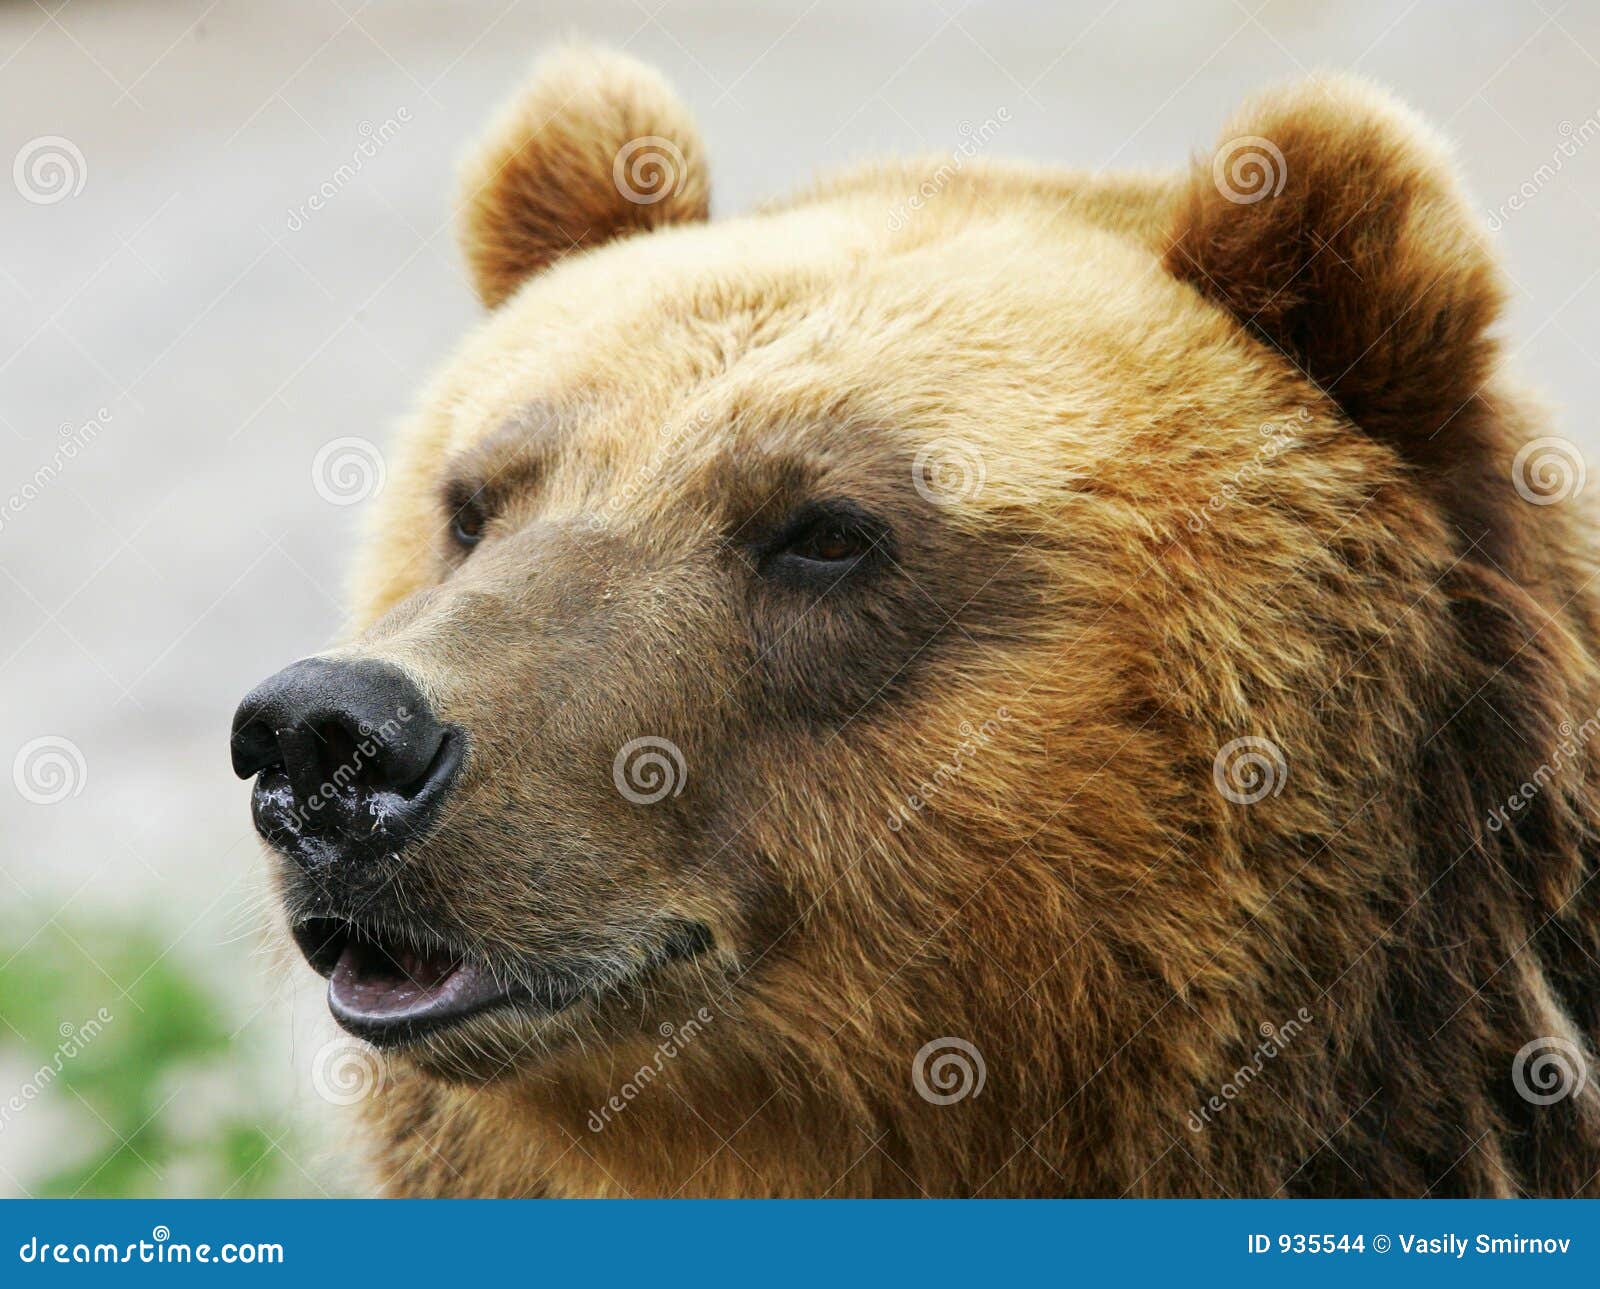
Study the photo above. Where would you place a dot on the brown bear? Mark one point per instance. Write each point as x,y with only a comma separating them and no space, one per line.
977,680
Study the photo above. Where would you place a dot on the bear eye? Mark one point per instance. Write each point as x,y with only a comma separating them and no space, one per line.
825,541
830,543
467,521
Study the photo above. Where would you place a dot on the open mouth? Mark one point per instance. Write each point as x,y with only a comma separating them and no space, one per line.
391,990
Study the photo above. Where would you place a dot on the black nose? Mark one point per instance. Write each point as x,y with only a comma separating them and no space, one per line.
352,762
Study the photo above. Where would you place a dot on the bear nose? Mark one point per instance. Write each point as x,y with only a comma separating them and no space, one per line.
350,757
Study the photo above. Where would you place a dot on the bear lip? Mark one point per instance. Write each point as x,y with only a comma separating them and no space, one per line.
387,998
391,991
387,991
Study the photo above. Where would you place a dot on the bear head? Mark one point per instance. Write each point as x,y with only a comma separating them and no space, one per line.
937,685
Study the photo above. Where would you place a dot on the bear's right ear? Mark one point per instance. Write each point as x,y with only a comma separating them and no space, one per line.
597,146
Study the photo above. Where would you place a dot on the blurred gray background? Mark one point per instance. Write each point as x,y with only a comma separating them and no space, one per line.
164,278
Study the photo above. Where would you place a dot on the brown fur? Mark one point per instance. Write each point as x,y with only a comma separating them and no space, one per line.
1072,643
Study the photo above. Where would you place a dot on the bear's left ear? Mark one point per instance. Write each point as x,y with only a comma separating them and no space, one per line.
1329,220
595,147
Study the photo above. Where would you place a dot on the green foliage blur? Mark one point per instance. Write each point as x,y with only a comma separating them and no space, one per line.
149,1084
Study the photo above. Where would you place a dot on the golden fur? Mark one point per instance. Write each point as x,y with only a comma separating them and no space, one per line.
1246,471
